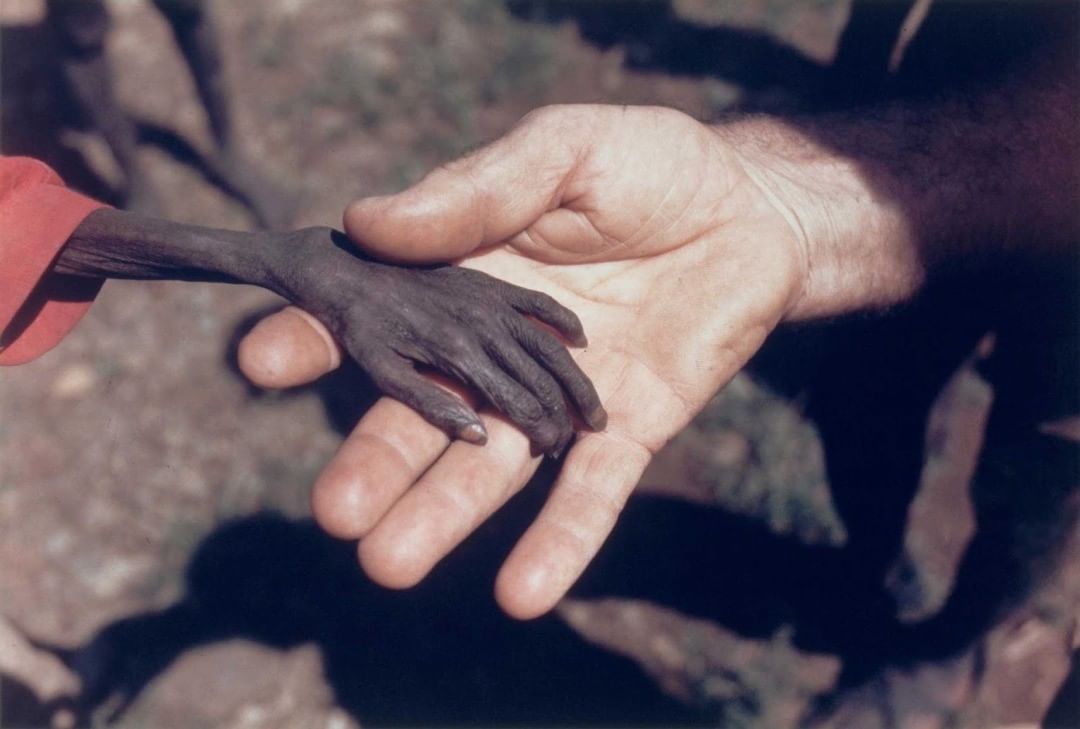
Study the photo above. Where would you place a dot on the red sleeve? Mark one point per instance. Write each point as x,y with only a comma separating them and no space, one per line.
37,216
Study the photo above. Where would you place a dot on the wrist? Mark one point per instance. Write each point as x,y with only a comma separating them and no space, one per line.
855,247
884,197
308,268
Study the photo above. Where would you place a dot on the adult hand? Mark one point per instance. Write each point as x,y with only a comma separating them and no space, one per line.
678,250
680,247
471,327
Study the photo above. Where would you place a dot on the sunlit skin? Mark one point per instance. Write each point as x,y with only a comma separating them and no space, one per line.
656,354
680,246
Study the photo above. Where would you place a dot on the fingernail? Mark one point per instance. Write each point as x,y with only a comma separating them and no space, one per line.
333,353
597,419
581,340
473,433
547,437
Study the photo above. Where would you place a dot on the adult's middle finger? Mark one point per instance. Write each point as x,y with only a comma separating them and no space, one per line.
464,486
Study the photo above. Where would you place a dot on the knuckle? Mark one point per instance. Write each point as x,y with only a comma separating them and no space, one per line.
454,167
556,117
544,303
550,396
550,347
524,410
457,344
473,312
543,116
515,324
567,122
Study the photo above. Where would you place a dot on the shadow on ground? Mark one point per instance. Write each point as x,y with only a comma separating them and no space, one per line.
443,654
958,42
867,384
439,655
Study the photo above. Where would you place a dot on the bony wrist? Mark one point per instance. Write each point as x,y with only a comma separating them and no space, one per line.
287,258
308,268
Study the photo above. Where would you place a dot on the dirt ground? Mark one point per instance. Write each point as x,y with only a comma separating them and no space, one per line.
154,528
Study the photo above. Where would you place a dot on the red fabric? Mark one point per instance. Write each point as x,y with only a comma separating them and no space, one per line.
37,216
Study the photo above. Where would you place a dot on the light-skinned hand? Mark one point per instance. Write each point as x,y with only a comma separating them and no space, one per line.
644,222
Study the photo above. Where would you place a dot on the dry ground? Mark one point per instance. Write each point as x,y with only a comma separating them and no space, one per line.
134,446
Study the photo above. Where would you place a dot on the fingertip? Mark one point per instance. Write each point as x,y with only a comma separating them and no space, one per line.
339,504
597,419
563,444
524,593
359,215
433,221
574,330
547,437
287,349
393,564
355,489
389,228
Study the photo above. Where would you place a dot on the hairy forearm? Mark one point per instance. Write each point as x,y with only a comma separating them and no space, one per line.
884,198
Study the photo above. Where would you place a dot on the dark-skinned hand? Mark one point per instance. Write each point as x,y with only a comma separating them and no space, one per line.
681,245
493,337
460,322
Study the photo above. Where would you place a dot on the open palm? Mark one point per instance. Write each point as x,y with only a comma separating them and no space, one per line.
649,227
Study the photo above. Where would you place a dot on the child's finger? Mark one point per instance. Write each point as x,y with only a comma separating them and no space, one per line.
396,377
543,386
553,355
549,311
473,366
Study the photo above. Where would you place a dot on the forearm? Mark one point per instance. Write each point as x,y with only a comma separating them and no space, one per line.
884,198
116,244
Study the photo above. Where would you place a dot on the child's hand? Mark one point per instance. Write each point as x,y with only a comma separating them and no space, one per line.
461,322
464,323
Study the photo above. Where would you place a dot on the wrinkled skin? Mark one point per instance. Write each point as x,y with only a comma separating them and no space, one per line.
487,335
463,323
648,225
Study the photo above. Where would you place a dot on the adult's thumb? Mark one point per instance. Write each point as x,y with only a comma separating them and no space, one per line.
287,349
477,201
